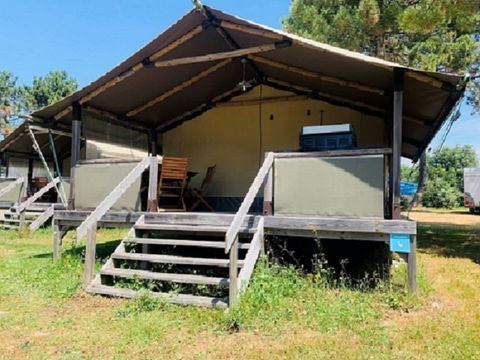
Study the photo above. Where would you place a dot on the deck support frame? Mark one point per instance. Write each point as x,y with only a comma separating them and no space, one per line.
361,229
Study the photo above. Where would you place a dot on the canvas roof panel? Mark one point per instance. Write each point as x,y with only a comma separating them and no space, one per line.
426,97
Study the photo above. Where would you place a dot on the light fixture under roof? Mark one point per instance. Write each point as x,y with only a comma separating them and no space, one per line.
244,84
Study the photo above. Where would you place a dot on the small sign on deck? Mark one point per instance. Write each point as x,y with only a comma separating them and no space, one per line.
400,243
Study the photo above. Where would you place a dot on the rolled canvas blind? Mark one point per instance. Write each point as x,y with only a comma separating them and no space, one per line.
107,140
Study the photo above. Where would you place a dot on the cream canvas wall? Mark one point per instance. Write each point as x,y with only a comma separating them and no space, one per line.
234,138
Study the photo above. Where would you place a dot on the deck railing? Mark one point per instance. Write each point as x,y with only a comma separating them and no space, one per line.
265,177
89,226
232,233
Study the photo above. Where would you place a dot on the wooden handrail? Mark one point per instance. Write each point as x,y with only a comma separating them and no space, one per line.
11,186
251,258
239,218
333,153
24,205
112,198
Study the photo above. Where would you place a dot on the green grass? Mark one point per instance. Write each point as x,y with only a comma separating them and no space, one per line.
45,314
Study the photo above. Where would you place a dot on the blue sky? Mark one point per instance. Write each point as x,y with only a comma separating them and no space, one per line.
89,37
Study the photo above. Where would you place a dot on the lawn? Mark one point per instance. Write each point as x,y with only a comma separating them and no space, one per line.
44,313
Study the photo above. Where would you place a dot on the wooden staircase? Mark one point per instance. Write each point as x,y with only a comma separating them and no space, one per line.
34,217
183,264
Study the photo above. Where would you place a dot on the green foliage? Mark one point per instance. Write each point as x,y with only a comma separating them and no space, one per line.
444,186
16,100
48,89
435,35
142,303
11,96
279,294
409,173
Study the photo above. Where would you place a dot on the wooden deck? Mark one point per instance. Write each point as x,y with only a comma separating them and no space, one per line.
361,229
304,226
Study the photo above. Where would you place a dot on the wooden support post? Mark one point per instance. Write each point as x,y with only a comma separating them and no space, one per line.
268,194
23,197
412,265
57,240
90,248
30,173
152,204
75,151
398,81
152,142
233,274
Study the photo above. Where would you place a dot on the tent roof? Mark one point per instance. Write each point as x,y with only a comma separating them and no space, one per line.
19,143
150,90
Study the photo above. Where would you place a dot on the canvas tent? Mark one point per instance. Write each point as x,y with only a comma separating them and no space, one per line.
220,90
185,89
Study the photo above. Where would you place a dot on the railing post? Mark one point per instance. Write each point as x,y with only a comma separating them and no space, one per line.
233,276
90,254
57,240
268,192
412,265
23,197
152,204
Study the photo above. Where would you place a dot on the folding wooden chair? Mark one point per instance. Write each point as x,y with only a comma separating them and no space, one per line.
172,182
199,193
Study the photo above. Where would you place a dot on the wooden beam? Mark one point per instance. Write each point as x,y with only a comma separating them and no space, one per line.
398,84
54,130
117,120
63,113
173,45
250,30
425,78
134,69
229,40
267,100
26,204
332,99
334,153
222,98
268,193
42,219
319,76
24,155
90,250
75,151
341,225
233,274
412,265
251,257
152,203
179,87
216,56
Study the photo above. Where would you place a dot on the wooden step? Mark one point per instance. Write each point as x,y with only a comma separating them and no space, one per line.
190,228
172,259
181,242
171,277
180,299
6,226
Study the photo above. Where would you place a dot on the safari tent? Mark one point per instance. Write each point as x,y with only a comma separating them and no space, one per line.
219,91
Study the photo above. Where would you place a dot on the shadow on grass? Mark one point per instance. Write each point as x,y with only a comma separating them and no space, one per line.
450,240
103,250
